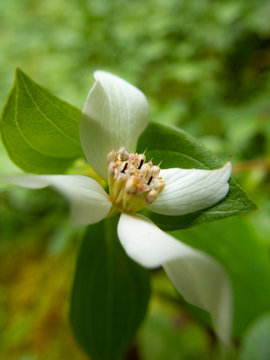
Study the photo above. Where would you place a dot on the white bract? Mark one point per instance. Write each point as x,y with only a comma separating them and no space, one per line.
114,115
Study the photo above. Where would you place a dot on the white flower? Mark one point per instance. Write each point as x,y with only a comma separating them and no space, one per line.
114,116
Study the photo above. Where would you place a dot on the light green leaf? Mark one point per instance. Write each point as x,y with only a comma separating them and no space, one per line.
256,345
175,148
39,131
110,294
245,258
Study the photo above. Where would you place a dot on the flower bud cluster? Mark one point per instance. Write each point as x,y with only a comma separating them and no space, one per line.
133,183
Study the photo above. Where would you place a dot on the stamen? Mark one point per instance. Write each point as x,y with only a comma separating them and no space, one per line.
133,184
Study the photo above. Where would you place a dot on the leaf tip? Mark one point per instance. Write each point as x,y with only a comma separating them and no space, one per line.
18,71
19,74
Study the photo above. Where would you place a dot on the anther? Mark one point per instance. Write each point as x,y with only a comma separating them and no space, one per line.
149,181
141,163
125,168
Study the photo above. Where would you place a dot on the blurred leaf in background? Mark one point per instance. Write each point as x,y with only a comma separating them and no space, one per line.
256,342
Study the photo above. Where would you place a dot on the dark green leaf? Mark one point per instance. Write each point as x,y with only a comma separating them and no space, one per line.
110,294
175,148
233,243
256,345
39,131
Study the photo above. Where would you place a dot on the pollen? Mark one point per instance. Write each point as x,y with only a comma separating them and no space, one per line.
133,183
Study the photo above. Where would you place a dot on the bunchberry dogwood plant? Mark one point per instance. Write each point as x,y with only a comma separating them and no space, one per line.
114,116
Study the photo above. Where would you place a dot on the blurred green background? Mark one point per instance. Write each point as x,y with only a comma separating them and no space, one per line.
204,66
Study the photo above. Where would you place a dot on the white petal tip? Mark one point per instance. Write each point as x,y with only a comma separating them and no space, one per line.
228,169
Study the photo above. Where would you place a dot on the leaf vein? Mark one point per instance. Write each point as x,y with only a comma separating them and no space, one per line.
46,117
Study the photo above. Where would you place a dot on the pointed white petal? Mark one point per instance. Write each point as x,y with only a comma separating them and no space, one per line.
114,115
198,277
190,190
203,283
89,202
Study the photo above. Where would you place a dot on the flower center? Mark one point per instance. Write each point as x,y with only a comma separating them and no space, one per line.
133,183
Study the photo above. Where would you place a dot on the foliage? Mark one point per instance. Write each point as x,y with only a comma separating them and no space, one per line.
256,342
39,131
109,297
204,66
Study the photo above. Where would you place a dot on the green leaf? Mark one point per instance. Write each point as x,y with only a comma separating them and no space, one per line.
175,148
256,344
245,258
39,131
110,294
